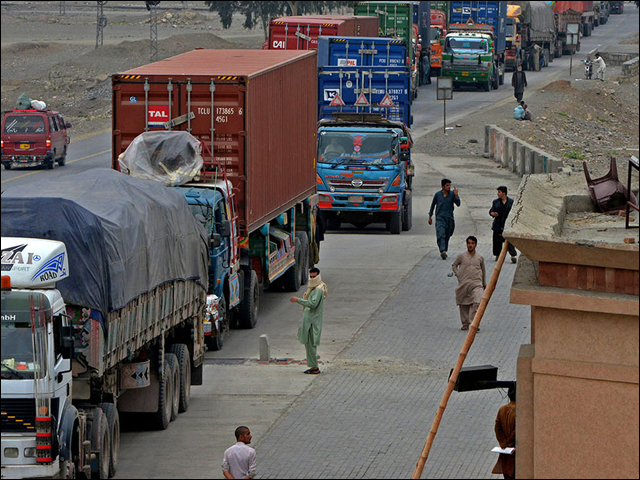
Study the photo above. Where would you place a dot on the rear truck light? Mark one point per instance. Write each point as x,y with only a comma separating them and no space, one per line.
2,144
48,143
325,202
389,203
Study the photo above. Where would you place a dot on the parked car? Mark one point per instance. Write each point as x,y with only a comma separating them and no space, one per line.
32,138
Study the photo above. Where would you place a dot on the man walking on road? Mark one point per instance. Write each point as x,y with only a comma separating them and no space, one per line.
505,429
313,309
500,211
472,280
444,203
240,460
519,82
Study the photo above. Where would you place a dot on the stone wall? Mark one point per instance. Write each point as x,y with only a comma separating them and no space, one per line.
517,155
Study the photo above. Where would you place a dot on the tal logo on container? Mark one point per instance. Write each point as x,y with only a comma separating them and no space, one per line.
158,115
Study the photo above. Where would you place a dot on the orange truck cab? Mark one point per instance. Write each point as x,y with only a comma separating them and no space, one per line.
438,32
32,138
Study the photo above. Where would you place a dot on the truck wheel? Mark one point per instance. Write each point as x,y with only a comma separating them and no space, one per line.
291,278
248,317
52,164
162,417
113,424
304,269
63,159
407,220
7,166
547,55
172,360
100,443
181,351
487,86
395,222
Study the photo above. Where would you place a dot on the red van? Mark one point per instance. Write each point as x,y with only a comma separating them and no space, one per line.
34,137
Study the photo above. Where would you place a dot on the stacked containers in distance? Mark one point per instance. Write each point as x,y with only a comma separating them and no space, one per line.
259,105
489,13
349,67
302,32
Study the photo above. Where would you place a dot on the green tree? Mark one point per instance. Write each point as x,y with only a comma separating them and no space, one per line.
262,12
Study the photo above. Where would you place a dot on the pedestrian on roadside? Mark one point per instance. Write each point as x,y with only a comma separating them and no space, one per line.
444,203
500,211
313,310
240,460
505,429
527,113
602,67
518,112
519,82
472,280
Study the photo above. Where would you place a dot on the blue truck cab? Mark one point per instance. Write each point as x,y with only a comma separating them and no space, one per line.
365,172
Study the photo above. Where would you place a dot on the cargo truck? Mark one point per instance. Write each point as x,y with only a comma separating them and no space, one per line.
302,32
364,141
474,48
103,297
529,23
254,112
408,21
437,35
616,8
572,12
567,14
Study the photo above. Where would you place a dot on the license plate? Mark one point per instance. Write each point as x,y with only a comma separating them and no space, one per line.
356,199
25,146
465,74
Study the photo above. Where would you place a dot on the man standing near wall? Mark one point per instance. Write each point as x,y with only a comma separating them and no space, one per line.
500,211
505,429
444,203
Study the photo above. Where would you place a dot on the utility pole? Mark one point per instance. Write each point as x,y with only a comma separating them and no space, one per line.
101,22
153,30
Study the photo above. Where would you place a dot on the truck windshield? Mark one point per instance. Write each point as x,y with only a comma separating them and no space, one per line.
434,34
467,45
17,336
341,148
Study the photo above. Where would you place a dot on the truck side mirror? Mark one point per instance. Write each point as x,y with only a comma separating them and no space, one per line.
225,228
67,343
216,240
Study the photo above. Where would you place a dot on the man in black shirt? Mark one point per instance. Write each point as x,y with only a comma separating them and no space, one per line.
500,211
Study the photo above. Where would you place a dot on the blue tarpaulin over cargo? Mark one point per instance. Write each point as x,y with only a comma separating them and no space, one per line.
124,236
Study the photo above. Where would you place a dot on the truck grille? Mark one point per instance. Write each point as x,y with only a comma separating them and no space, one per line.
19,414
347,185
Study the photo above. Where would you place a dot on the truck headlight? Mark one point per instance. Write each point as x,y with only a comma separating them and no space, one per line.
30,452
11,452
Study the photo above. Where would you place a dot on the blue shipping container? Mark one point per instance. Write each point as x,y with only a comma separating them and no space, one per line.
361,52
374,82
487,13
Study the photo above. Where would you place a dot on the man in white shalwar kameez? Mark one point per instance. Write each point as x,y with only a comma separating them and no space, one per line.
470,270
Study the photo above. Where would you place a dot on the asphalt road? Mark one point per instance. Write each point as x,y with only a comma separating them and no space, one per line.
362,269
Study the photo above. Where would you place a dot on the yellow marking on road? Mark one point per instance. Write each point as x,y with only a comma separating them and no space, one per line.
40,171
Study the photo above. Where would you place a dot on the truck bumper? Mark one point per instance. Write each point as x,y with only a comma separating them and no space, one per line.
21,466
348,202
25,160
467,76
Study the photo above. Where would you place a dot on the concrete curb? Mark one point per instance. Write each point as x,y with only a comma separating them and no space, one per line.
517,155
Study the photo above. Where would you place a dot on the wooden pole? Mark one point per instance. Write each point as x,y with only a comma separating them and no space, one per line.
461,358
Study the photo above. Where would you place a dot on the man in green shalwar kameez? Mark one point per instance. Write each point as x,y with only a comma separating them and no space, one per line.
313,308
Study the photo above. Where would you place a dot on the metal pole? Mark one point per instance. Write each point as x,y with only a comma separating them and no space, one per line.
444,130
571,59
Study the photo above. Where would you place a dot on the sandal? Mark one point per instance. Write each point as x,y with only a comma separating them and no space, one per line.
465,327
312,371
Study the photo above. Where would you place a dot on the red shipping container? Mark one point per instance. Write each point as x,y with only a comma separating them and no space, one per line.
302,32
580,7
260,106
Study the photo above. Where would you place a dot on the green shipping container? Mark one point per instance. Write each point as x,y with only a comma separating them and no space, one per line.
395,19
443,7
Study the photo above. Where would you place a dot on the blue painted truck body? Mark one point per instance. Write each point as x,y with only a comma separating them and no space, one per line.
493,14
364,158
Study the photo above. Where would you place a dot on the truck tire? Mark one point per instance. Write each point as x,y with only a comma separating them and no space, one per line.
7,166
113,424
172,360
63,159
51,164
248,315
407,220
161,419
291,278
395,222
100,445
547,56
304,269
487,86
181,351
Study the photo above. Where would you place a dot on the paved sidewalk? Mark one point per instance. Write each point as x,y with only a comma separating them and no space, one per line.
368,414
